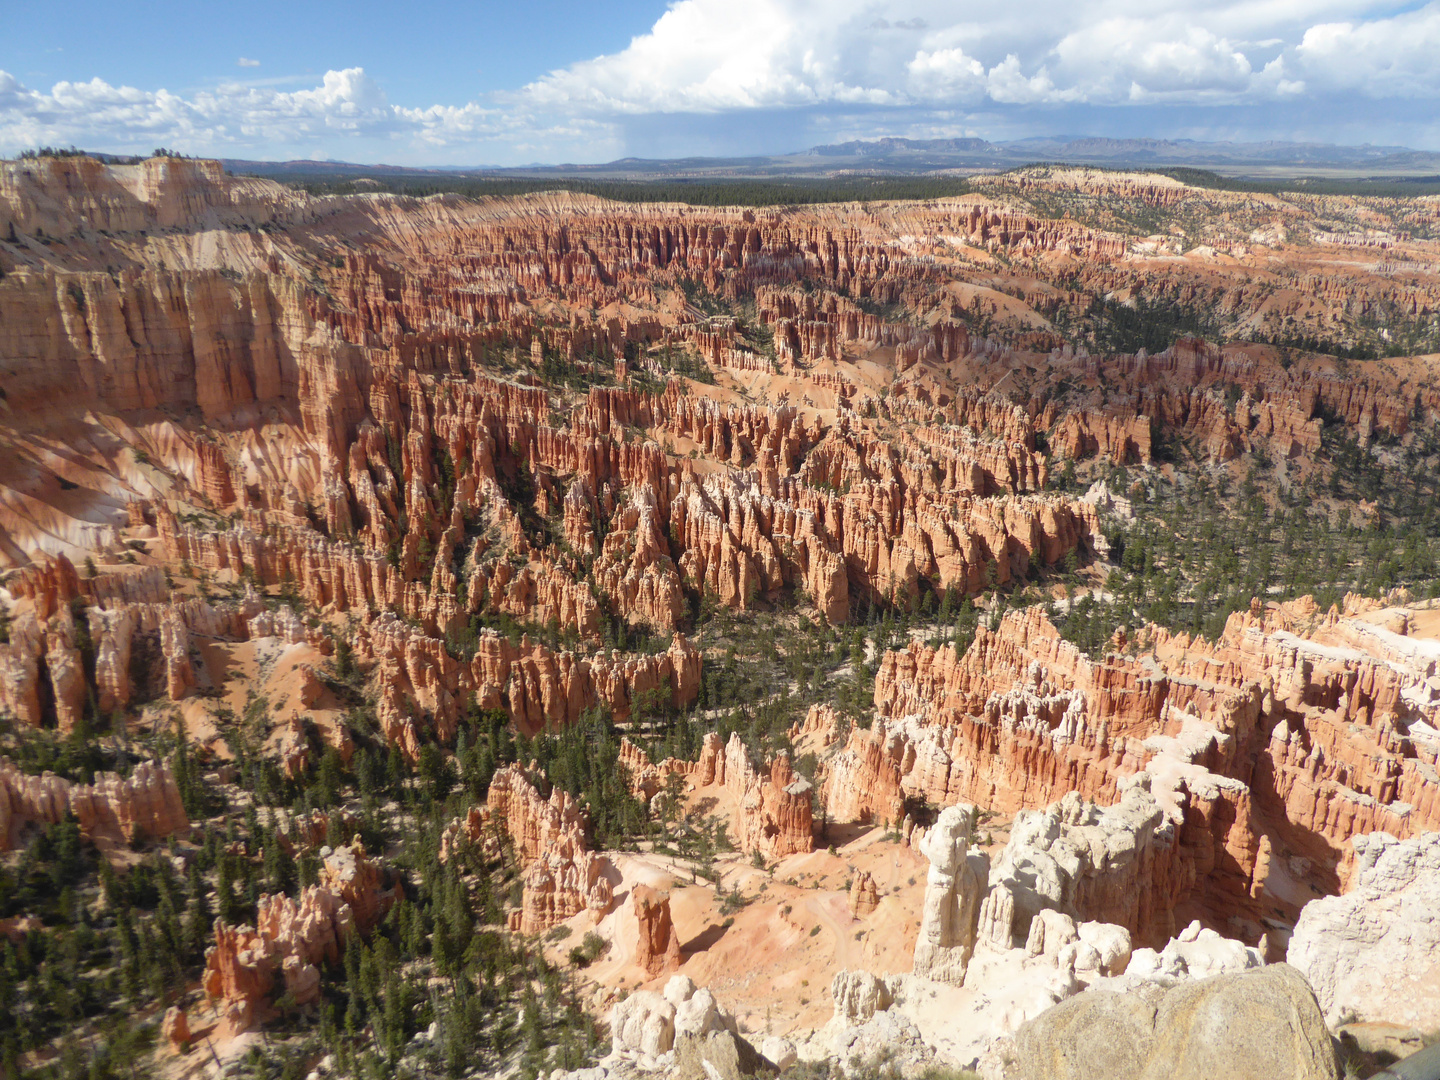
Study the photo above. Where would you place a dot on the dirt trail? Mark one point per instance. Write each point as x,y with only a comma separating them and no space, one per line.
847,950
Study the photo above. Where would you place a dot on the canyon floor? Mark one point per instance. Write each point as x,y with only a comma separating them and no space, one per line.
543,636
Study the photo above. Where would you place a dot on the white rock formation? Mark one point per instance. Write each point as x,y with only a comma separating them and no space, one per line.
997,916
858,995
1083,860
680,989
1196,954
1111,945
779,1052
954,890
1050,931
651,1032
701,1014
889,1038
644,1022
1373,954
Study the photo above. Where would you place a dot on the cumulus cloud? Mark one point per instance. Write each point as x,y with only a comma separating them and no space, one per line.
1118,59
905,64
247,62
711,57
945,73
708,55
232,116
1390,57
1007,83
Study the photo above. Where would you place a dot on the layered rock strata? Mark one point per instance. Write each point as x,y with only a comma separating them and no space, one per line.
561,876
772,809
113,810
1285,735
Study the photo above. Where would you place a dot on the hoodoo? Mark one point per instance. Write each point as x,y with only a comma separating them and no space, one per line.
535,634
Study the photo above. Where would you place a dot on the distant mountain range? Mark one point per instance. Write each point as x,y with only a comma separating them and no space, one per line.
929,156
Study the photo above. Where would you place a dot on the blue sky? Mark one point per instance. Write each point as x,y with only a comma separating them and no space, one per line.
486,83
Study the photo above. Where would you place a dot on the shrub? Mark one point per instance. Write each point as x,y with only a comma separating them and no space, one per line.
590,949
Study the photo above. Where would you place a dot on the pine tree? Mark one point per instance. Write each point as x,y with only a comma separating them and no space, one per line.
329,778
127,945
532,1031
394,1016
225,890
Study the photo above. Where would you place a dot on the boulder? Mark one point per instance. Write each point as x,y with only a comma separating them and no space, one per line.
1252,1025
643,1022
1050,931
679,989
717,1055
1255,1025
888,1040
778,1052
1367,1048
1111,944
1421,1065
1196,954
699,1015
1094,1036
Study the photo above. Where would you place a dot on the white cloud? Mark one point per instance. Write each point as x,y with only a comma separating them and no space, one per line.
1392,57
231,117
894,65
1139,60
946,73
716,55
1008,84
703,56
